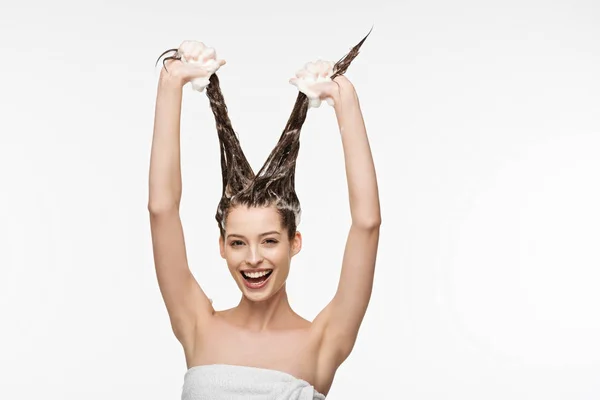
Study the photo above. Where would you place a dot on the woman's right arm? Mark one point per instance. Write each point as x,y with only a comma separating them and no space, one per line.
187,305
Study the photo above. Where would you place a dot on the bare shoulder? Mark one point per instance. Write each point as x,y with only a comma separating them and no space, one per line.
301,323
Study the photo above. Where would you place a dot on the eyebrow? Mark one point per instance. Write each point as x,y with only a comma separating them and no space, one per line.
261,235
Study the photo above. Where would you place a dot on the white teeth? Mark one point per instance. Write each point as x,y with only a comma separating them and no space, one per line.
255,274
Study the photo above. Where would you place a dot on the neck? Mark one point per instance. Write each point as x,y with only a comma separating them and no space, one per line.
262,315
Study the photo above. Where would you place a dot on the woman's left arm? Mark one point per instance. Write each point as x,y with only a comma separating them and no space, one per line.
343,316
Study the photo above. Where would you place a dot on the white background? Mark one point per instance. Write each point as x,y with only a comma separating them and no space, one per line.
484,122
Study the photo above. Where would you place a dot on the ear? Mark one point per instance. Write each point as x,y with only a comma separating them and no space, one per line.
296,243
221,247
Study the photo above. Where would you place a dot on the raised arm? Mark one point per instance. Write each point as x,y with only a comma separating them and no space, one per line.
186,303
165,165
343,316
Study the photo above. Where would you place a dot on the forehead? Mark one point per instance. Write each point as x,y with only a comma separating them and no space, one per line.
242,219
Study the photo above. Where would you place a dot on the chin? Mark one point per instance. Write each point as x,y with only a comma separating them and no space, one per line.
256,297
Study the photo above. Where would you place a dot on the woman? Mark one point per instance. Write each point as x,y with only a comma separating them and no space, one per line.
260,348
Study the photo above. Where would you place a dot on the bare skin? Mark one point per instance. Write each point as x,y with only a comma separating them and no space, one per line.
262,330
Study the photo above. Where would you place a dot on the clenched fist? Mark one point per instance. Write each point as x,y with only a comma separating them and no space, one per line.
193,62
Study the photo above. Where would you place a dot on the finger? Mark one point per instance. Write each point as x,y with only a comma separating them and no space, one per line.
327,89
320,90
302,73
324,68
208,53
196,71
184,49
196,49
195,52
311,67
213,65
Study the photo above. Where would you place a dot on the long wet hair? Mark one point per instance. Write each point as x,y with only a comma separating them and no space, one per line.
274,185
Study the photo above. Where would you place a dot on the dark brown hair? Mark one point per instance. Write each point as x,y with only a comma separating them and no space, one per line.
274,184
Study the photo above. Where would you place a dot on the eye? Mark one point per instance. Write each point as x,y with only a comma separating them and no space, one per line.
271,241
236,243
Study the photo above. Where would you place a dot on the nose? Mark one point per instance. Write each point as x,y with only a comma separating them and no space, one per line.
253,257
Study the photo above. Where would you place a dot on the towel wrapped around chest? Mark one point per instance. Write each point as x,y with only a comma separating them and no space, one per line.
233,382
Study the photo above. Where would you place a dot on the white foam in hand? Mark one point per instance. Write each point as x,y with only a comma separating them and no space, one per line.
307,77
205,57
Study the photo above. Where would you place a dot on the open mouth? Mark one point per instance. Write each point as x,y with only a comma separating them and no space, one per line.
256,279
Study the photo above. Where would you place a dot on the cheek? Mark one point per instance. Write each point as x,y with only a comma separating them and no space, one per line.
234,258
281,255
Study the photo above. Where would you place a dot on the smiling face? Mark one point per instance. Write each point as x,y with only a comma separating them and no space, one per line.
258,251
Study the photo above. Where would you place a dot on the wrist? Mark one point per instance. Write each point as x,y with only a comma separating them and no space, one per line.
347,99
169,81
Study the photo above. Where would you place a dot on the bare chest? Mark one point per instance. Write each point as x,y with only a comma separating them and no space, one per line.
292,351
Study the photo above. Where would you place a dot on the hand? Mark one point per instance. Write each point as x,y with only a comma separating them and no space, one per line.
194,62
314,81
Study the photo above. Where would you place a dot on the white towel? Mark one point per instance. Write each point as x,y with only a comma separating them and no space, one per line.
233,382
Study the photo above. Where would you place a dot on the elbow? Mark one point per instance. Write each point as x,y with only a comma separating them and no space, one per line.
367,223
161,208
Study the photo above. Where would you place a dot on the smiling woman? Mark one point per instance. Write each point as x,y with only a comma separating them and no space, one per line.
258,255
261,348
